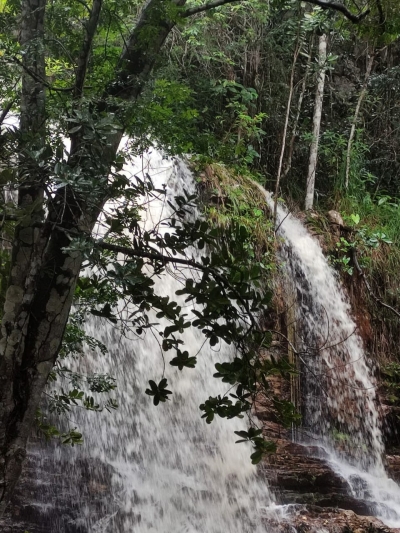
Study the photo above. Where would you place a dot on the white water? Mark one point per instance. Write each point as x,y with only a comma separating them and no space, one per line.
150,469
170,471
341,410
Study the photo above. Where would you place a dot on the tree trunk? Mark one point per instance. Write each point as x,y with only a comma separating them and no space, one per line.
15,370
319,96
288,165
285,128
355,117
43,274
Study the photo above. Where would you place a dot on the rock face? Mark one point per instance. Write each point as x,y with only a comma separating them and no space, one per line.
300,475
317,500
393,467
32,509
315,519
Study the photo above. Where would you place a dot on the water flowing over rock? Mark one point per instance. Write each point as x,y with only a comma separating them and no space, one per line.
339,403
150,469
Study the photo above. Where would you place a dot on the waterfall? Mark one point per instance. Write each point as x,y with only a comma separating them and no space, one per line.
340,408
156,469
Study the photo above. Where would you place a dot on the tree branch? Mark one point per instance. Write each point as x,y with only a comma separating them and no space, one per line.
83,60
6,110
154,256
325,4
338,6
382,18
362,94
40,79
205,7
297,50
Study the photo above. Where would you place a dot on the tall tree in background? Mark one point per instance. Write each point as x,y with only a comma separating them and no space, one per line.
319,97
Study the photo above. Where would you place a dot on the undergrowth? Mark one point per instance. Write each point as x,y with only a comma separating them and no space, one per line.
372,235
235,199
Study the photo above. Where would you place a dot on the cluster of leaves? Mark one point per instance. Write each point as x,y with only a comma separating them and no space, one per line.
165,116
238,145
75,340
159,392
61,401
363,241
227,281
74,388
261,446
49,431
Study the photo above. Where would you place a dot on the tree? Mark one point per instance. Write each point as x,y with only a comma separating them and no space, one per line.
319,96
60,84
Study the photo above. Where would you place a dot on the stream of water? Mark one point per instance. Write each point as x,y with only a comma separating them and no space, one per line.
340,407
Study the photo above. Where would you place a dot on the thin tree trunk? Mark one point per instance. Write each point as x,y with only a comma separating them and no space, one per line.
288,165
355,117
285,128
319,96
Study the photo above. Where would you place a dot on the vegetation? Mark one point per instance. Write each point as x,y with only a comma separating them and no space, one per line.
232,84
233,199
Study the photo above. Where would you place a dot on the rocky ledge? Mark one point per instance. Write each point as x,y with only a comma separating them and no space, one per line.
318,500
314,498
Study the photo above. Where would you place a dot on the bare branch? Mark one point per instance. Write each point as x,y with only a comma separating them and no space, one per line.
285,128
38,78
361,97
325,4
10,103
84,4
10,218
5,111
154,256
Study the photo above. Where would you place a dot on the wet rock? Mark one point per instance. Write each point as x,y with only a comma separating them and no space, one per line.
393,466
300,475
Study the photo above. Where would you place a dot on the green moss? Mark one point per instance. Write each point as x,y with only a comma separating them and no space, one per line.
235,199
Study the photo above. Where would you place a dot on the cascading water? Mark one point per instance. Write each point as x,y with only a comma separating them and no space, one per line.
157,469
150,469
340,411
